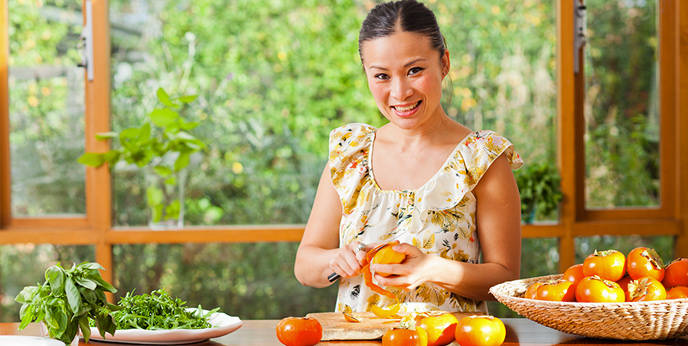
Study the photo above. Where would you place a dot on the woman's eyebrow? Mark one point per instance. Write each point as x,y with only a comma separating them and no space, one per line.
405,65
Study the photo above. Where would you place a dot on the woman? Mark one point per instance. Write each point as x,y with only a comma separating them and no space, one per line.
445,192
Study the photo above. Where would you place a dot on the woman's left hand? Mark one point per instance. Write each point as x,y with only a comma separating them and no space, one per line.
411,273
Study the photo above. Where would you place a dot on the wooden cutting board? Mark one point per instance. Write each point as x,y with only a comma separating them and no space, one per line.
335,327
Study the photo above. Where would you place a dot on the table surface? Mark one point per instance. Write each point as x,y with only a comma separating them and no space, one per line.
519,331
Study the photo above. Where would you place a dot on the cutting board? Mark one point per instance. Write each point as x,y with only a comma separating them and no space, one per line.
335,327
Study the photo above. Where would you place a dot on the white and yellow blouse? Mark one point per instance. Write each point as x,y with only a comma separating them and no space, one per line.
438,217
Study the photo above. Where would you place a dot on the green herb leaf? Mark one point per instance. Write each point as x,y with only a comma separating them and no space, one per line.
91,159
164,117
165,98
90,284
73,296
55,277
106,135
85,328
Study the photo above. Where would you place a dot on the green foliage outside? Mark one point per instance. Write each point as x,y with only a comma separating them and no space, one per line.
539,189
272,79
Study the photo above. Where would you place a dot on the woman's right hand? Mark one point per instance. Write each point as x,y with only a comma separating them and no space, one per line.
348,260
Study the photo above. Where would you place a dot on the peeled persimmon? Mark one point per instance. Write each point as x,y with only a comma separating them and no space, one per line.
387,255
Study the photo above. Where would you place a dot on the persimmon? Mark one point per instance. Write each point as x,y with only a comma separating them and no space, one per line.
646,289
574,274
440,328
557,290
644,262
387,255
624,286
607,264
405,337
678,292
299,331
676,273
480,331
594,289
531,291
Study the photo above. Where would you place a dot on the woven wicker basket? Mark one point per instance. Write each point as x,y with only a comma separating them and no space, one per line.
628,321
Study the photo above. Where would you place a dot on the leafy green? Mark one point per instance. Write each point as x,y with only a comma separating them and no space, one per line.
158,310
539,187
67,300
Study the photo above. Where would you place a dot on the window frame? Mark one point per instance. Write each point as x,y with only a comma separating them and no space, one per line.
670,218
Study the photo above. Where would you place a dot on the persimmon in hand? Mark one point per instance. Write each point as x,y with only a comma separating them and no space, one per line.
387,255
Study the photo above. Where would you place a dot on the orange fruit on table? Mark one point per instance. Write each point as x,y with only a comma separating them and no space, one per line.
557,291
678,292
299,331
387,255
676,273
644,262
574,274
646,289
480,330
405,337
593,289
440,328
607,264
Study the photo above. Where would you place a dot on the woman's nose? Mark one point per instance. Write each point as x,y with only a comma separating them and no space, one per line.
401,89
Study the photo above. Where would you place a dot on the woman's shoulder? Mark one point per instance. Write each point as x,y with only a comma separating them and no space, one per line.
352,129
350,137
481,148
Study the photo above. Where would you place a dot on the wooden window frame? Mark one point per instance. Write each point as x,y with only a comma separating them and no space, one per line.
670,218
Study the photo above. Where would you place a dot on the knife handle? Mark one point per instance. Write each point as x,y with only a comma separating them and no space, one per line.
333,277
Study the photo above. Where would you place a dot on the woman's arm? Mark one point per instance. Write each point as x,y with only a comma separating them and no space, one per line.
498,218
319,254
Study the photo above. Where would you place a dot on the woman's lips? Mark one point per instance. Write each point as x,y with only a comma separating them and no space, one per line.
406,110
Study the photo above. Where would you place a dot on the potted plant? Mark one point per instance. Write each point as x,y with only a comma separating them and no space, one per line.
540,190
162,146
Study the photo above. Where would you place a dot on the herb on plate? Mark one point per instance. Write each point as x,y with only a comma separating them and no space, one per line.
67,300
158,310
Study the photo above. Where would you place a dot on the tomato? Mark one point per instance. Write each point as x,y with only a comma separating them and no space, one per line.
299,331
440,328
387,255
558,291
624,286
644,262
678,292
608,265
676,273
480,330
646,289
405,337
596,290
531,292
574,274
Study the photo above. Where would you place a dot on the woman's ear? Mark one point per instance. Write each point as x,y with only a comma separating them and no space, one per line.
445,63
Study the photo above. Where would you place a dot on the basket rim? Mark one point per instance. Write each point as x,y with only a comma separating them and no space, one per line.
494,291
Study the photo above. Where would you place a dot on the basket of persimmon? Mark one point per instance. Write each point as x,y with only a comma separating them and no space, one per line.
609,295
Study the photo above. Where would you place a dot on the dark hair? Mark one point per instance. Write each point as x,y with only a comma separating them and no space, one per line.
411,15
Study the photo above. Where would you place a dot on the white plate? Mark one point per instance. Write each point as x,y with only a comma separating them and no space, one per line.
18,340
222,324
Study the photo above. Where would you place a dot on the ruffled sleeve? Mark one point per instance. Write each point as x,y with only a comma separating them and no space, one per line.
469,162
348,161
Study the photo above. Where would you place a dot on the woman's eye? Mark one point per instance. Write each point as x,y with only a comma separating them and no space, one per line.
382,76
415,70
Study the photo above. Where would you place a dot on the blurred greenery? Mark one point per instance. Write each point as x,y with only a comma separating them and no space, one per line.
273,77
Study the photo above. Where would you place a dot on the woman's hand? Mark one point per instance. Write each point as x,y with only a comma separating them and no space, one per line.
348,260
411,273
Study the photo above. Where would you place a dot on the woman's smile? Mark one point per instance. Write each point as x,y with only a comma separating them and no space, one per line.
407,109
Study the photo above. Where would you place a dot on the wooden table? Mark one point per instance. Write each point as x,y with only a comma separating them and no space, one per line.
519,331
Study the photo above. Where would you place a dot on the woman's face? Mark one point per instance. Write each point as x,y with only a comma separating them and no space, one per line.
405,77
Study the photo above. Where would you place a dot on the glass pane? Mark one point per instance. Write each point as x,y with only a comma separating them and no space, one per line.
539,257
252,281
664,245
25,264
46,108
621,104
270,92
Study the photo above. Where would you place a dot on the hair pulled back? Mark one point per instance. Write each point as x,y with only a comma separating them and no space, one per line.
411,15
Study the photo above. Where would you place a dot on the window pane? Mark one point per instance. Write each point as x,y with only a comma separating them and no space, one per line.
284,73
25,264
252,281
622,104
46,108
664,245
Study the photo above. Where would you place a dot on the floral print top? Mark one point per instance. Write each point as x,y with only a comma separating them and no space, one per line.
438,218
